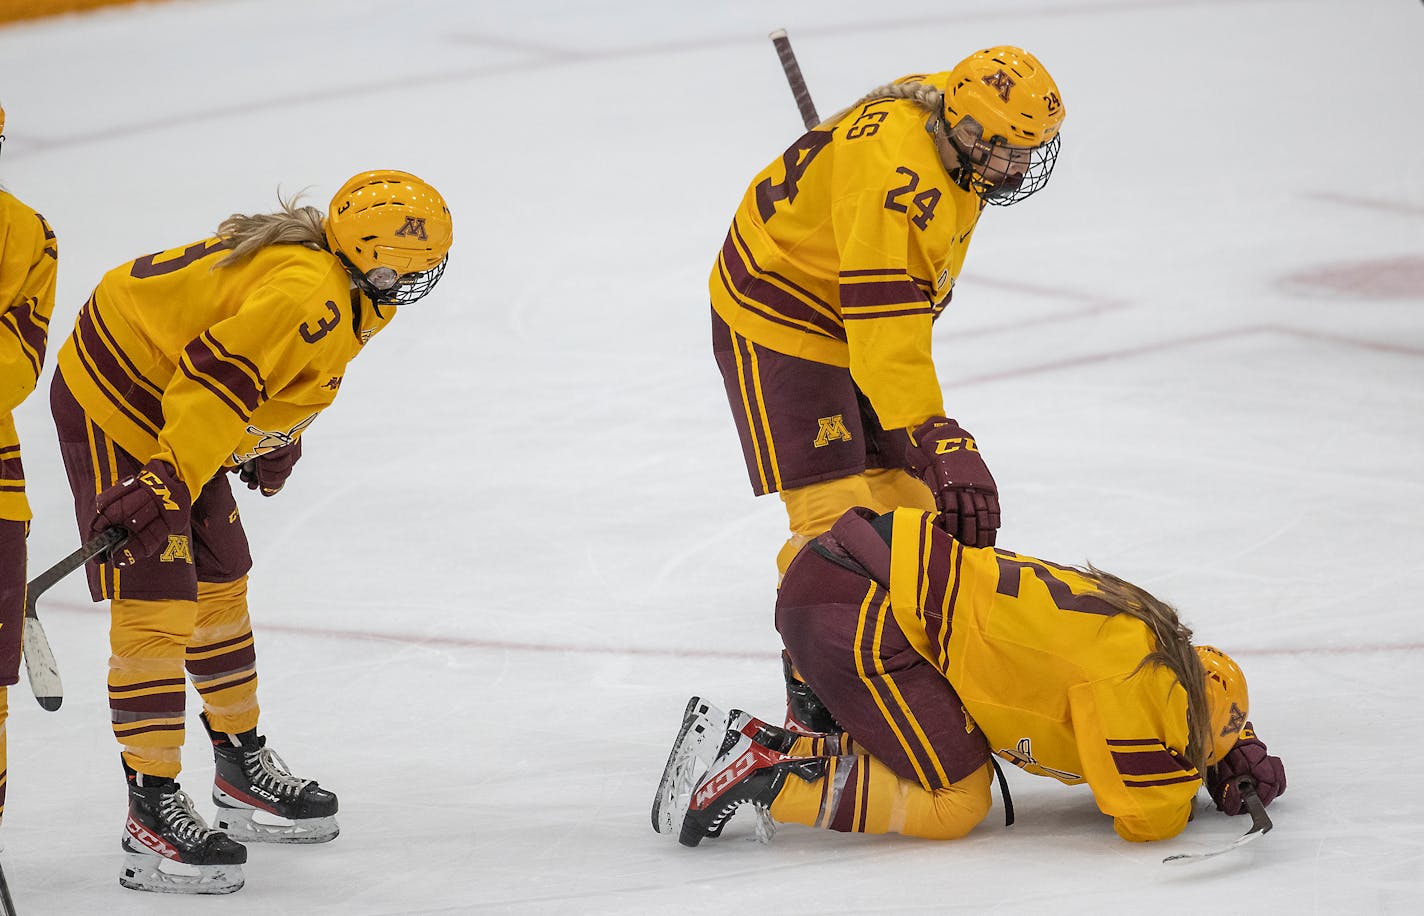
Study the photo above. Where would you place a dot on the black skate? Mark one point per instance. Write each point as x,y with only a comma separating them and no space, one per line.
744,771
804,710
258,798
168,848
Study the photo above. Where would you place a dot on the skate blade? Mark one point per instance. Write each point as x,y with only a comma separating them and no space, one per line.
261,827
155,874
691,755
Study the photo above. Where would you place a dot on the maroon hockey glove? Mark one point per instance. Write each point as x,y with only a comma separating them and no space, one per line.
269,472
150,506
947,459
1247,758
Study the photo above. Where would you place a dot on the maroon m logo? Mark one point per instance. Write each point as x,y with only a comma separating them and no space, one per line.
414,227
999,82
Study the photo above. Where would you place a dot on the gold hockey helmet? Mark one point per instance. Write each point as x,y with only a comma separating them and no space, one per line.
1226,701
393,233
1002,112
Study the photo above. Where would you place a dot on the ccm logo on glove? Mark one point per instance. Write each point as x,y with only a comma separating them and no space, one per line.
151,506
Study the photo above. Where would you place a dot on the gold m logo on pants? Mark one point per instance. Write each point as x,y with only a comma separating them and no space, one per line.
176,550
832,429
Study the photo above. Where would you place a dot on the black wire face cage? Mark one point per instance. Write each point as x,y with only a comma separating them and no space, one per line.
1003,174
383,287
413,287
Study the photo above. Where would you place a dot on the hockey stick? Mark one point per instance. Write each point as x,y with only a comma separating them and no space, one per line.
39,657
1260,825
7,906
794,78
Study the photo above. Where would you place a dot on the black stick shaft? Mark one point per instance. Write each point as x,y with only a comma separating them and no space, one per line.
795,79
90,549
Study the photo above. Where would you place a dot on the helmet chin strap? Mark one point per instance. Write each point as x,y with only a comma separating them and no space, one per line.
948,153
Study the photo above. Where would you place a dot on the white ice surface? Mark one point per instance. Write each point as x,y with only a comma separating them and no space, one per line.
523,536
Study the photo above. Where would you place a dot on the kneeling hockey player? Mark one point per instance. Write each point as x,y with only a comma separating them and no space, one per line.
929,656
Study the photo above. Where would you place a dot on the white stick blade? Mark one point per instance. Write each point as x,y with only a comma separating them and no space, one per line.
41,667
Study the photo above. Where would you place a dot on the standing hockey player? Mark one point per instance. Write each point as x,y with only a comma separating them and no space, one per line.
841,256
930,655
29,257
183,364
843,252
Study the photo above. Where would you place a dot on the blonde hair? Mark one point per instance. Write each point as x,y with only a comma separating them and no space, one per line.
926,95
293,225
1174,652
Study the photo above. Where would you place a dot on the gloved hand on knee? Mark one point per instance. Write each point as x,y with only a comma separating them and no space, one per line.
150,505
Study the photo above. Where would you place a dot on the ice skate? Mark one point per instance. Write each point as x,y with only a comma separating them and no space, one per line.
805,713
693,751
258,798
744,771
168,849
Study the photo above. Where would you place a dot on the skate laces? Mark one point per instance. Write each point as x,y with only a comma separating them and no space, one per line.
176,809
270,771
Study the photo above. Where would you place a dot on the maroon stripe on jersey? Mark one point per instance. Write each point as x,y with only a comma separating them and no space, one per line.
803,291
30,335
9,451
1154,742
101,361
213,389
745,279
1149,783
13,485
942,569
236,358
113,347
1145,763
204,356
901,291
751,305
875,272
34,326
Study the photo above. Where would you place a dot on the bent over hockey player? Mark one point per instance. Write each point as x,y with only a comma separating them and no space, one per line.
29,256
183,364
931,655
841,255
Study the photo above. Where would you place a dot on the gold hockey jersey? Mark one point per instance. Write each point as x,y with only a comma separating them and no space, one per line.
29,256
845,250
206,367
1050,673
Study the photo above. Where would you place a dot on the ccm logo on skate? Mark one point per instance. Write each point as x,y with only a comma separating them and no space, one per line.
151,840
725,779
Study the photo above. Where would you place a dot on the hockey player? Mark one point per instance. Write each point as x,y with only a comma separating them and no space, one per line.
183,364
843,252
29,257
931,655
